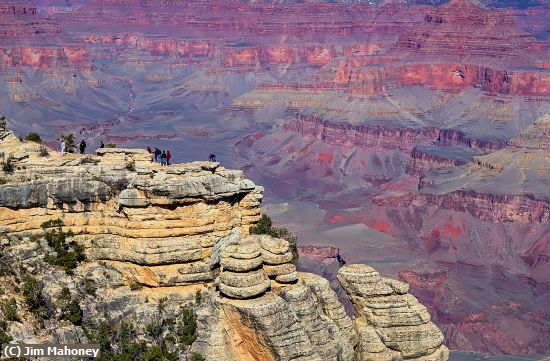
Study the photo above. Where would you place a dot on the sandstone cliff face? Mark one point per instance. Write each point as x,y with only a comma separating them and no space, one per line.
155,236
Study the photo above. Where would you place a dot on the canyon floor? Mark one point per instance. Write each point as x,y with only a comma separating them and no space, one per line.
411,137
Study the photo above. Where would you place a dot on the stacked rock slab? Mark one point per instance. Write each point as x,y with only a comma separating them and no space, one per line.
391,323
242,275
276,256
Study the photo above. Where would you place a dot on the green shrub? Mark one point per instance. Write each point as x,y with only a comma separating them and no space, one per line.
32,293
153,330
9,310
68,254
135,286
265,226
70,308
198,297
65,295
73,313
90,287
154,353
35,238
196,356
162,304
44,151
7,165
186,329
5,338
33,137
118,342
131,166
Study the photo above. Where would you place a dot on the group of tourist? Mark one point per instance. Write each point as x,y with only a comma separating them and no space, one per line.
161,156
64,150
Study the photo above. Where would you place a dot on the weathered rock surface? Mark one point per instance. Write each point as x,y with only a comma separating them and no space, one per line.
157,238
392,323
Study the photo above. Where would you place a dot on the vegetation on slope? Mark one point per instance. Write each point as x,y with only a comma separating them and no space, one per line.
265,226
67,254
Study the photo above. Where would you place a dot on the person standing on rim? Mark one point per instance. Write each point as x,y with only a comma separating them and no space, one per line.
163,158
82,146
168,157
157,154
63,146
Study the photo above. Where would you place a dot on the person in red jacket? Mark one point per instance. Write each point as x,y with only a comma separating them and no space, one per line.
168,157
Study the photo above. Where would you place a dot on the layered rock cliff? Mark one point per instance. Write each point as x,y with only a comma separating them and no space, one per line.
156,238
468,29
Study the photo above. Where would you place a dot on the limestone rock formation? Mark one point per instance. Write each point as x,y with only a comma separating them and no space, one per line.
391,323
158,238
241,275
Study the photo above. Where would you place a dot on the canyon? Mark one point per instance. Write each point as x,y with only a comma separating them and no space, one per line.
410,136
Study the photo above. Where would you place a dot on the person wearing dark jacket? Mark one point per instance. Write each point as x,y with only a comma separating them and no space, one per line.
157,154
163,158
82,146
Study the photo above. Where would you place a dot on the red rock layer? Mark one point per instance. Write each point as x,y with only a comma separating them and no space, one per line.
28,39
259,19
50,57
383,137
495,208
464,28
21,25
449,137
444,76
422,162
325,254
372,137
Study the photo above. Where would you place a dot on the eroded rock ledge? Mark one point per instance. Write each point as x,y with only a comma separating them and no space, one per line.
175,231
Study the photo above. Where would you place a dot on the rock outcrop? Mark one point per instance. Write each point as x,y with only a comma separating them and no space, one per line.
391,323
158,237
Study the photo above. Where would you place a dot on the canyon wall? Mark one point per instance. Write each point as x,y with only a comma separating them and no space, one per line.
445,76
